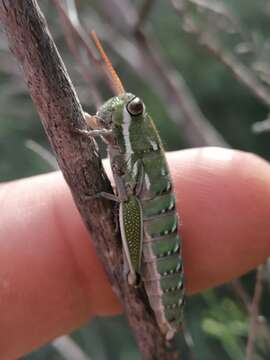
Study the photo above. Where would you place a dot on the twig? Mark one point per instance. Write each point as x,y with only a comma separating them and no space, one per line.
143,14
241,293
113,10
261,126
72,12
61,112
267,273
254,313
239,70
263,70
43,153
76,26
248,303
188,342
78,43
68,348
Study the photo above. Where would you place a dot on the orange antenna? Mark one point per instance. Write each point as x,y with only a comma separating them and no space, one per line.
116,82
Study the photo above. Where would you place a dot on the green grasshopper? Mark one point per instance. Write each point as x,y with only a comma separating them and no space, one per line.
147,211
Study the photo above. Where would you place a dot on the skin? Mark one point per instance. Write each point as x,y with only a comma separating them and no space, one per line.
51,279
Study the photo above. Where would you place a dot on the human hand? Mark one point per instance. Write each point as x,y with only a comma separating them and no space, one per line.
51,279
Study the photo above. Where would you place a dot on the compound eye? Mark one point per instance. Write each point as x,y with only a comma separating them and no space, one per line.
135,107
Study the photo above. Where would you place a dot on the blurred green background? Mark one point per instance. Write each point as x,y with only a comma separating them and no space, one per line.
217,321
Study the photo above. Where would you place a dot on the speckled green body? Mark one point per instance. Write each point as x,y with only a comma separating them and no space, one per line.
145,192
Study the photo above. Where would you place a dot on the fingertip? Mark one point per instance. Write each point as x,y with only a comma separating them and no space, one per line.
223,199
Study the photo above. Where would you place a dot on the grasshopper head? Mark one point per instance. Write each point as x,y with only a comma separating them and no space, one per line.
117,109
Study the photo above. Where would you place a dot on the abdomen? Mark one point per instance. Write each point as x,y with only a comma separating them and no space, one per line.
162,268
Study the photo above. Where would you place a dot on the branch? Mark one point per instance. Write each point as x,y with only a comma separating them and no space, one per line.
241,293
83,54
254,313
261,126
69,349
59,108
43,153
257,323
145,9
241,72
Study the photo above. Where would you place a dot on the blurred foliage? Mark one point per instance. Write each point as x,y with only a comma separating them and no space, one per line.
217,321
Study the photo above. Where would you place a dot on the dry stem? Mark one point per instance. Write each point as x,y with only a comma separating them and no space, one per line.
241,72
254,312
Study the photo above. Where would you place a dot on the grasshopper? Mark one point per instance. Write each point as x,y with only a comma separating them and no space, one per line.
147,211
